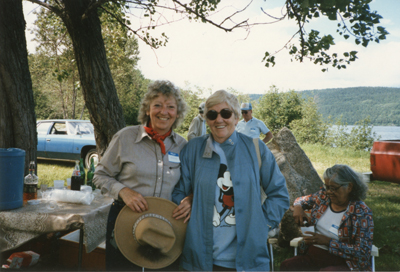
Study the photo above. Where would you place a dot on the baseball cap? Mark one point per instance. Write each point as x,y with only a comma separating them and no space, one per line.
201,107
246,106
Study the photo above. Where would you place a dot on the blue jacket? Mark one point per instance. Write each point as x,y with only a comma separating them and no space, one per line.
200,165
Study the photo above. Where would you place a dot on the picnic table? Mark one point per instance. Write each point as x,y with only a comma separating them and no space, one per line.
21,225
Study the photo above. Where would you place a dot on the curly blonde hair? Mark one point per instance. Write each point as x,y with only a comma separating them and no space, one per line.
168,89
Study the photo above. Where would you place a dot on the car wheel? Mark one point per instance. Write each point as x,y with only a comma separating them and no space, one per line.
92,153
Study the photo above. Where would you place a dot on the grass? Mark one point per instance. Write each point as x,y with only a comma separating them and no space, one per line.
54,170
383,199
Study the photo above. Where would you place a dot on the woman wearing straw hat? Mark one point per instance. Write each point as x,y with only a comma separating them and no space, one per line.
143,161
229,223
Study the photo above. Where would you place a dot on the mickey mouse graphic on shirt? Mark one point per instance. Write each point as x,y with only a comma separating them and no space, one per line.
226,203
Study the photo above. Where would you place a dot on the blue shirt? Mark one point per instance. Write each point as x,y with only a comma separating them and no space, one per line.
253,128
224,221
200,166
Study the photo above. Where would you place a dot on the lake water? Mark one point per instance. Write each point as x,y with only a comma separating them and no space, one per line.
385,132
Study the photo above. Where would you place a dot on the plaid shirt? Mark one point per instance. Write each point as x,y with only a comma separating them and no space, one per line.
355,231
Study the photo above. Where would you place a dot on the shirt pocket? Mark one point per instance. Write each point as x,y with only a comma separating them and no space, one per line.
172,172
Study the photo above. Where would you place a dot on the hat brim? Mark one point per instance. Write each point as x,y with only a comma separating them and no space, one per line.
123,232
245,109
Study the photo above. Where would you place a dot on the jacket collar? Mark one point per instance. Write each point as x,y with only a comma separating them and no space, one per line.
209,149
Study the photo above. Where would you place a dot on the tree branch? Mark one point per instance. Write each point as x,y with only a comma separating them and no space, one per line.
275,18
237,12
47,6
301,28
204,18
94,5
128,27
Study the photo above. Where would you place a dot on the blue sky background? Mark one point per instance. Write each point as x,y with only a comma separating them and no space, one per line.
201,55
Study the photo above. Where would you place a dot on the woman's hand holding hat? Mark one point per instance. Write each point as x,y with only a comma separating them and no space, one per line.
152,239
184,209
133,200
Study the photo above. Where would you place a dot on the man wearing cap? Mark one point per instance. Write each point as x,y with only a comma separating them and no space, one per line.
198,125
252,126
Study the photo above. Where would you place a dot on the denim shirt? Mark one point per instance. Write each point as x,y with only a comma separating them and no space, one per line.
199,172
253,128
355,231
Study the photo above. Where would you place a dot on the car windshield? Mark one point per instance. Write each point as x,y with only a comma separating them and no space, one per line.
80,128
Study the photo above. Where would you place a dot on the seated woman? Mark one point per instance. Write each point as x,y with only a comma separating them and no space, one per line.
343,223
229,223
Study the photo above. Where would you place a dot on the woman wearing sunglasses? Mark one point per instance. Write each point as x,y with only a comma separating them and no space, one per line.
228,226
343,224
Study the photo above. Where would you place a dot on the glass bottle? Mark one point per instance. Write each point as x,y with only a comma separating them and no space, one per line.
30,184
90,175
83,174
76,180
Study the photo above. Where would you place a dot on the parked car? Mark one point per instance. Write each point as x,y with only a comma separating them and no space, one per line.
68,140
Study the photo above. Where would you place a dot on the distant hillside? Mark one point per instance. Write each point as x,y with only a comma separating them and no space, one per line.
381,104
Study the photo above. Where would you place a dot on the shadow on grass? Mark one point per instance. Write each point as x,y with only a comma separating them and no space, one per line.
57,162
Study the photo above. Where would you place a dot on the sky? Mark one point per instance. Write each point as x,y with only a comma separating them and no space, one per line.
202,55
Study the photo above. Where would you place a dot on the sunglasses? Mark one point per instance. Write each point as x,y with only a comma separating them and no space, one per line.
332,189
225,113
244,111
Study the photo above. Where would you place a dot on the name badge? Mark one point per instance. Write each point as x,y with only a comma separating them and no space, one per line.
173,157
334,229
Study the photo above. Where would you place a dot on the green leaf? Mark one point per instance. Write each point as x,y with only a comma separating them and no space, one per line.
332,15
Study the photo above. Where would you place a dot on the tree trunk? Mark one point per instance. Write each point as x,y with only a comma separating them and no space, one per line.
17,113
97,84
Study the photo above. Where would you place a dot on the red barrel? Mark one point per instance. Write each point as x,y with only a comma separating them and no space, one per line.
385,160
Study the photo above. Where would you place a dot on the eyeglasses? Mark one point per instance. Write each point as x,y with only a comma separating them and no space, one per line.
244,111
332,189
225,113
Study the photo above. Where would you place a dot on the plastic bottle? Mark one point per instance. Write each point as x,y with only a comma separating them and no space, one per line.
90,175
30,184
76,180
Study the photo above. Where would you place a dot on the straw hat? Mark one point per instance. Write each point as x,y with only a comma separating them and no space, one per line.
152,239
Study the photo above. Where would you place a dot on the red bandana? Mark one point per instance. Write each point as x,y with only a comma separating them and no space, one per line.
157,137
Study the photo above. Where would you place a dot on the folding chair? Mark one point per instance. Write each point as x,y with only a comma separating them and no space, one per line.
374,252
272,240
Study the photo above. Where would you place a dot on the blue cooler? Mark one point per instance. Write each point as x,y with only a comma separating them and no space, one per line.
12,164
